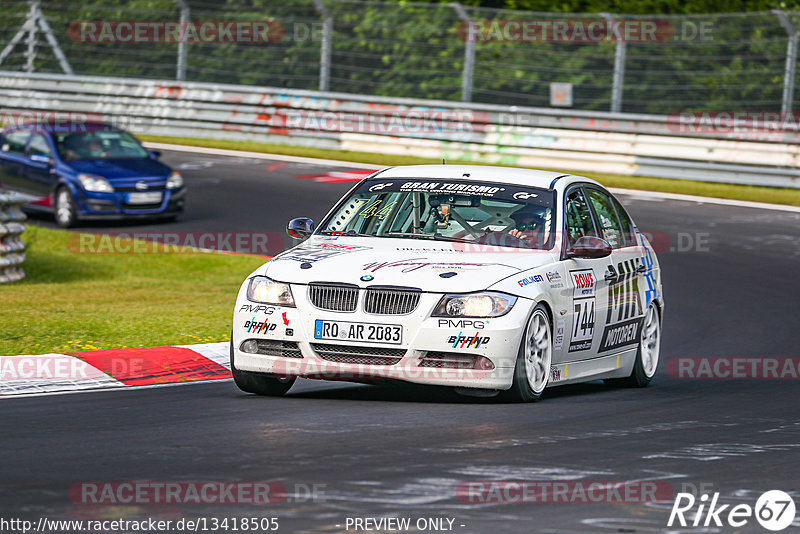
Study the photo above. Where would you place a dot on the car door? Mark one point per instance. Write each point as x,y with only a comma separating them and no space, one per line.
12,160
38,172
586,281
623,310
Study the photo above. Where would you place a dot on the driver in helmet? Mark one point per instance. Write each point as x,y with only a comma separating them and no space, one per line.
529,226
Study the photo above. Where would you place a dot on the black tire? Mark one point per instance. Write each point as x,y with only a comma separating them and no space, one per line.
65,212
639,377
521,389
260,383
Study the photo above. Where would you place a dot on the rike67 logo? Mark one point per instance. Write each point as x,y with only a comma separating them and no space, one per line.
774,510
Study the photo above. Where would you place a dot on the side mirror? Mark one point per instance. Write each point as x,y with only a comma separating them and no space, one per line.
300,228
155,154
41,158
589,247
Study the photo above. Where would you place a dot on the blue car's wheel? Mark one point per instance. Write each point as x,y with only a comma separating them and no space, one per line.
65,211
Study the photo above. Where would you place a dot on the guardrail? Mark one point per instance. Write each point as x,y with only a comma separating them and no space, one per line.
615,143
11,245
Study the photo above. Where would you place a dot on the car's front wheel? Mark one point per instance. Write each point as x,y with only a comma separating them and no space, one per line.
644,368
65,211
260,383
532,370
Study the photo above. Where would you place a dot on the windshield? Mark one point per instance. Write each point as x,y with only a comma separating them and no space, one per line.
481,212
99,145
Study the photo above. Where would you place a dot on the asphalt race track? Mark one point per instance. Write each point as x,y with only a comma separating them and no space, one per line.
731,290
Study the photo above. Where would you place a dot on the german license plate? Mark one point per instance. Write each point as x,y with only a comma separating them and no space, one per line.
364,332
150,197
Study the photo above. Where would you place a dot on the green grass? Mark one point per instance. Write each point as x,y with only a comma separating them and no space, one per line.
73,301
772,195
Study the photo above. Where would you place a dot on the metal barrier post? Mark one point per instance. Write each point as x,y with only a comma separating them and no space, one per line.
325,46
618,80
184,20
469,55
791,61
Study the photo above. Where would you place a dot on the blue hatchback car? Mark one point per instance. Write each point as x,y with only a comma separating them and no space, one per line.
88,171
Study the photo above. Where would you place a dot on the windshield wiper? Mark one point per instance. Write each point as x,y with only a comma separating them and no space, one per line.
349,233
410,234
434,237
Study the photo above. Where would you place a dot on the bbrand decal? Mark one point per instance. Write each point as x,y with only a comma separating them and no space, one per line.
468,342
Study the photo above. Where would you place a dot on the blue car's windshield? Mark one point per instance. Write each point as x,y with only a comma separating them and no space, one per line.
81,146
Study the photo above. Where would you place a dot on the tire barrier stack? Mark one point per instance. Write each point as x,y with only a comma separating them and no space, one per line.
12,248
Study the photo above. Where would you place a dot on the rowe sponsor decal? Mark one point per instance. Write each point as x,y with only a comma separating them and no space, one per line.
583,298
624,315
468,342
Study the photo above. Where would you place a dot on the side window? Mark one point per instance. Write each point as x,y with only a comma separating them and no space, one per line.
626,223
14,142
578,217
38,146
606,217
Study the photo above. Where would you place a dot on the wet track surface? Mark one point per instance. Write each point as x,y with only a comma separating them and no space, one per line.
381,451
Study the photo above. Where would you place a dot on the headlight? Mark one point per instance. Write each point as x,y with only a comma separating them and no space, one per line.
486,304
174,181
262,289
97,184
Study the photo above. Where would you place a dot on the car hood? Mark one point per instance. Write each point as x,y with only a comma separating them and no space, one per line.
424,264
121,169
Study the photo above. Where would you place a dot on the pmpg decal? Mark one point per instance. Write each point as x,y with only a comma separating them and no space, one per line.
583,299
257,308
468,342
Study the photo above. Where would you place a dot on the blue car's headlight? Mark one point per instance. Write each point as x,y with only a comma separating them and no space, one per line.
485,304
268,291
174,181
95,184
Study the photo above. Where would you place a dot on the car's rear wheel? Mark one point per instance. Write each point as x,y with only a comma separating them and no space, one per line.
647,354
532,369
65,211
260,383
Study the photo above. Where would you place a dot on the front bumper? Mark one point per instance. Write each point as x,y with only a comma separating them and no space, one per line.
116,205
288,335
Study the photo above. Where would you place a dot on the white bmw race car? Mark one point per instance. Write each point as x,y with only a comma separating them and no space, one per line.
487,279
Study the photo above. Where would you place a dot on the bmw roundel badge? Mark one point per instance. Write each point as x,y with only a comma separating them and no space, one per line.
367,278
